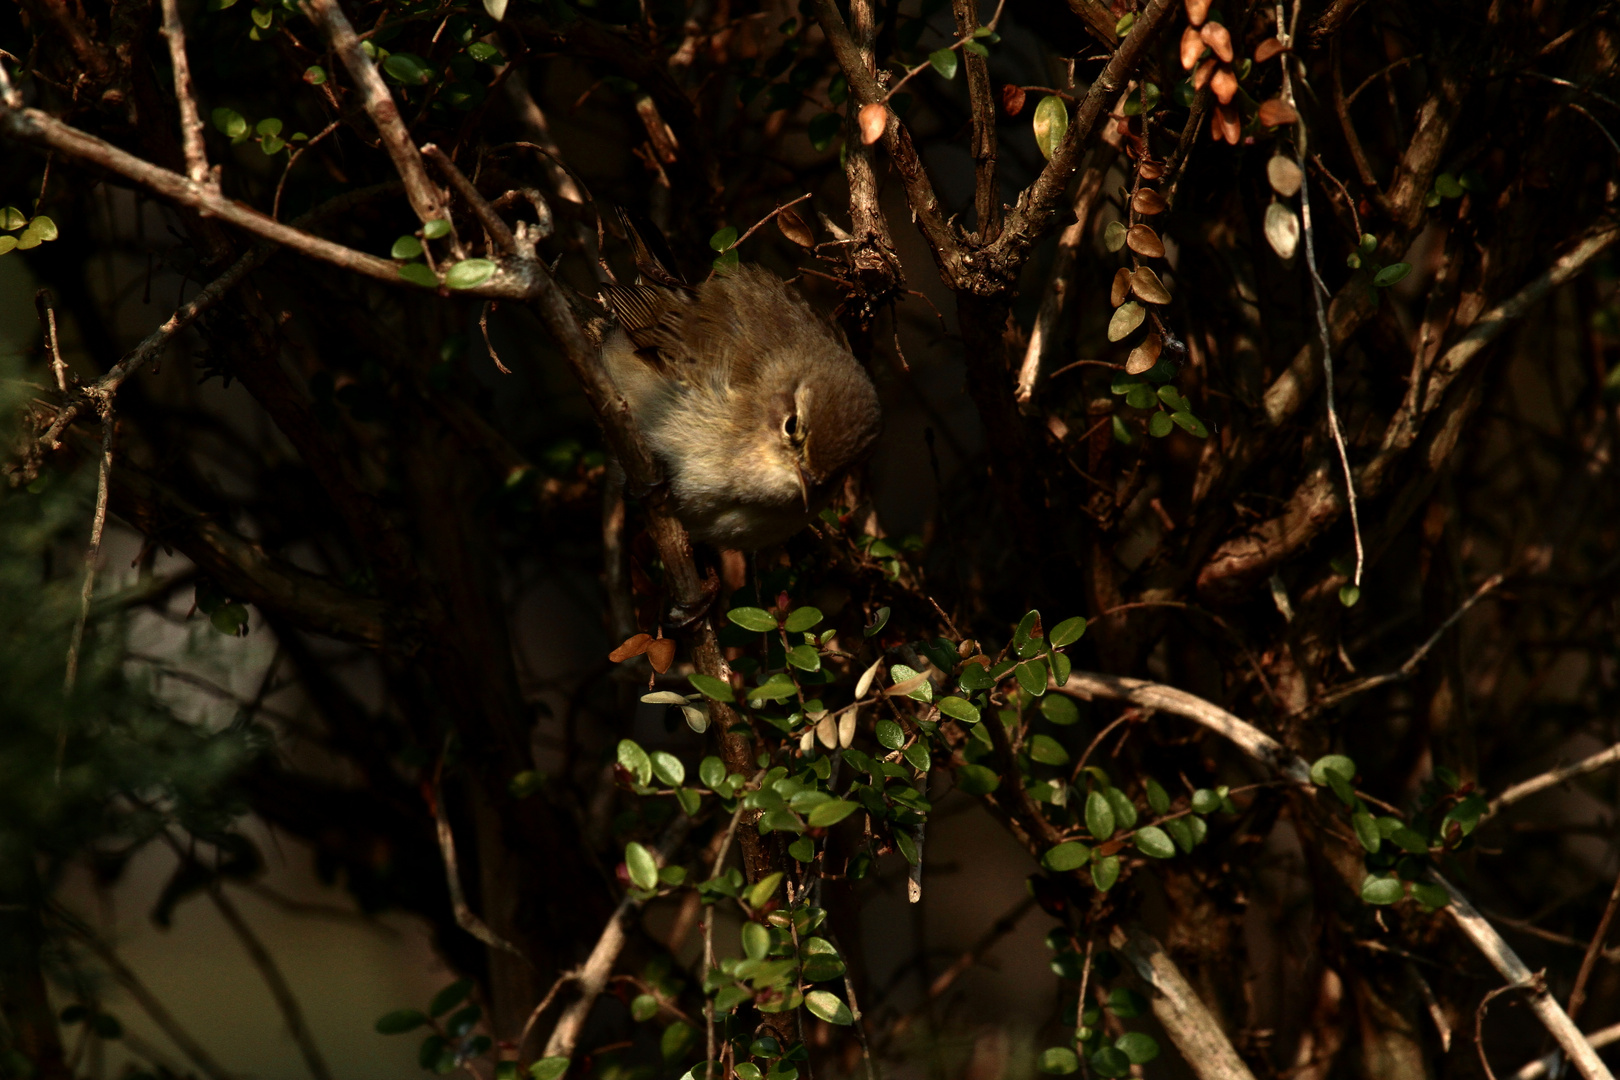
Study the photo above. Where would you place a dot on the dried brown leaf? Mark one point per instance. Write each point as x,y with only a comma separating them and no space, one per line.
1224,84
1146,285
634,645
1192,47
661,654
1144,356
872,118
1225,123
1144,241
1012,99
1275,112
1150,170
1285,176
1218,38
1205,70
1121,288
1147,201
794,228
1267,49
1282,230
1197,11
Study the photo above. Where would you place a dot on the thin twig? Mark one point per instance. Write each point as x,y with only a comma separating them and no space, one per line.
1320,296
1550,1065
92,558
465,916
292,159
499,233
125,976
952,47
483,324
46,304
562,980
273,978
1552,778
762,221
191,125
1479,1020
1406,670
1577,996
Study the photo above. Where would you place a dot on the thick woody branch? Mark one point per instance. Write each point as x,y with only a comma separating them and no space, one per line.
1189,1023
426,198
982,106
931,219
1317,503
1098,19
498,231
247,572
1267,751
1029,220
191,125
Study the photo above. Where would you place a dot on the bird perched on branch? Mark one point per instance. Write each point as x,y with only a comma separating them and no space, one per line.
750,399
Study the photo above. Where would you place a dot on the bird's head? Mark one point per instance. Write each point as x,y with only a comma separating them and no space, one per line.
821,427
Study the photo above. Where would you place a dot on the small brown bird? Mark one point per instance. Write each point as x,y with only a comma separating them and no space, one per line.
750,399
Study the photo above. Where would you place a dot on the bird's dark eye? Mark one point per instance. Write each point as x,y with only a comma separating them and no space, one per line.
790,426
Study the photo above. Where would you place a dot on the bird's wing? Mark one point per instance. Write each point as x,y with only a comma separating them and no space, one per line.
652,318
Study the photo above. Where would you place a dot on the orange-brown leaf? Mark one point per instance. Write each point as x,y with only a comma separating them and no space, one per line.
1147,201
794,228
1267,49
1205,70
634,645
1144,356
1012,99
661,654
1275,112
1197,11
1225,123
1144,241
1217,37
873,118
1121,288
1192,47
1225,85
1146,284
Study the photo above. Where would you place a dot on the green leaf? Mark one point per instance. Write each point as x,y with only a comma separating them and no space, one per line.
1181,832
1126,1003
262,17
1447,185
1139,1047
400,1021
821,966
1349,595
436,229
642,866
406,247
635,761
1066,856
879,620
1390,274
1140,397
469,273
1205,801
1050,123
829,1007
1160,425
1434,897
1032,677
418,274
1105,872
975,47
917,756
690,801
268,126
450,997
1382,890
526,783
1067,632
756,940
723,240
407,68
763,889
230,122
801,619
1059,1061
1158,799
1189,423
959,709
944,61
12,219
1153,841
1127,317
803,849
1124,809
1367,831
1332,763
679,1038
1047,750
314,75
668,768
977,779
752,618
1114,239
550,1068
1410,841
1060,710
804,657
831,813
890,734
712,771
710,687
1099,816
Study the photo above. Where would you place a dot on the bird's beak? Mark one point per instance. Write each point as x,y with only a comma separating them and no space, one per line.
804,484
